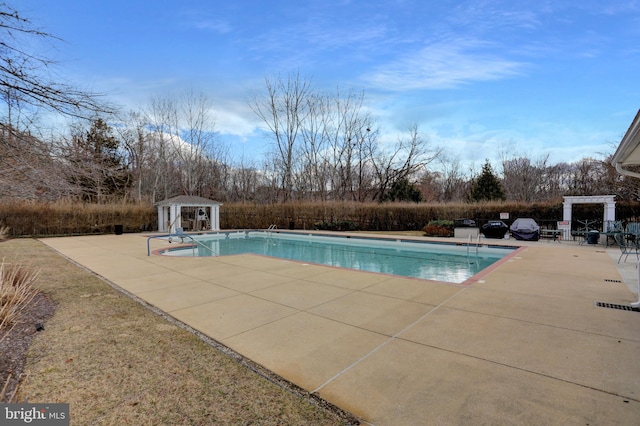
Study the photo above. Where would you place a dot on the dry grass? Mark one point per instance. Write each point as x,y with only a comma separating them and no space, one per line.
116,362
4,232
16,291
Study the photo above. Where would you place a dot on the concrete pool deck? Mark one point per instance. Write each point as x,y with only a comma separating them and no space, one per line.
526,344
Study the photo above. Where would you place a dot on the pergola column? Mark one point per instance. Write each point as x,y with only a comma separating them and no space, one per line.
610,211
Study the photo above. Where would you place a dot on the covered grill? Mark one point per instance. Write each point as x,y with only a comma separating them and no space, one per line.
525,229
494,229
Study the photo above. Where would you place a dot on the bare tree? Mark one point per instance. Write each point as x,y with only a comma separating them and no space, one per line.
161,120
446,184
314,174
29,168
187,155
586,177
402,161
283,110
27,85
244,180
195,138
350,140
27,78
135,140
454,184
523,180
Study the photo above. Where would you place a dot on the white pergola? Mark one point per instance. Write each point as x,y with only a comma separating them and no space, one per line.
628,154
567,209
170,212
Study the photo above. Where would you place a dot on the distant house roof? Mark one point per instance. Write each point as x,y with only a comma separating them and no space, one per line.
188,200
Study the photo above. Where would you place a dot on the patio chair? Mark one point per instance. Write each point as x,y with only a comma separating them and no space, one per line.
633,228
614,226
611,228
626,246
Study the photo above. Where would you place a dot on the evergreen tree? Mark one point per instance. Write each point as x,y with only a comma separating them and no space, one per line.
403,190
486,187
97,167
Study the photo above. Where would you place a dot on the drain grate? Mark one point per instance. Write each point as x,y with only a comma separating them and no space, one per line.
611,281
616,306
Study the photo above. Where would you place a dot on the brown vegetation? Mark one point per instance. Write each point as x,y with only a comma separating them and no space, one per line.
400,216
17,301
16,292
24,218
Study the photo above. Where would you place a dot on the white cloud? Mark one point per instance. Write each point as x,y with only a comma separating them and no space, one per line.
443,65
234,117
214,25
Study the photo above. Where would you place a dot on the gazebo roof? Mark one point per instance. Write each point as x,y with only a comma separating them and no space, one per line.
188,200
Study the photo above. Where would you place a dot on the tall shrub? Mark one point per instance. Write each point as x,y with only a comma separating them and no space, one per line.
486,187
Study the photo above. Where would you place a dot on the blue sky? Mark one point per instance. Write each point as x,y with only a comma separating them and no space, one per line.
477,77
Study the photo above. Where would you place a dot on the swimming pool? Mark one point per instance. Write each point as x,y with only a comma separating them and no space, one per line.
447,262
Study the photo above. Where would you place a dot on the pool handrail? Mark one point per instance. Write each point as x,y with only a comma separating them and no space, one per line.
469,244
182,236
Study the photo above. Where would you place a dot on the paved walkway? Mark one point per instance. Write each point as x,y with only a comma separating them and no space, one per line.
524,345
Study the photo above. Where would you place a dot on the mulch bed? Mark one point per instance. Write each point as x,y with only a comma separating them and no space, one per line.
15,343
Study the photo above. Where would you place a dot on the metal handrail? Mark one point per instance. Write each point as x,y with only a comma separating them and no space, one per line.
182,236
469,244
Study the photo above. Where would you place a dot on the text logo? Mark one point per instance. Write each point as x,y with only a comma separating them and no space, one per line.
34,414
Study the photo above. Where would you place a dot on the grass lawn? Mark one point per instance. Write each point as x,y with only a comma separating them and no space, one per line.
116,362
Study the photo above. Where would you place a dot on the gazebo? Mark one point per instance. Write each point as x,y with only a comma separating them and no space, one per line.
188,212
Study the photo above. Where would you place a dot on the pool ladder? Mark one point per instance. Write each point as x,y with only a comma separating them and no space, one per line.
271,228
469,244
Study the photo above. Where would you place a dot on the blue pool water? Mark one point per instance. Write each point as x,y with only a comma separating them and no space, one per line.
435,261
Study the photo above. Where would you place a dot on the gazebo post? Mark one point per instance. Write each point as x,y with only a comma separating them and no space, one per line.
175,218
214,219
162,220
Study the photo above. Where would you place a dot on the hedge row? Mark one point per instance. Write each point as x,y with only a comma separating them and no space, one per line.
45,219
49,219
401,216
